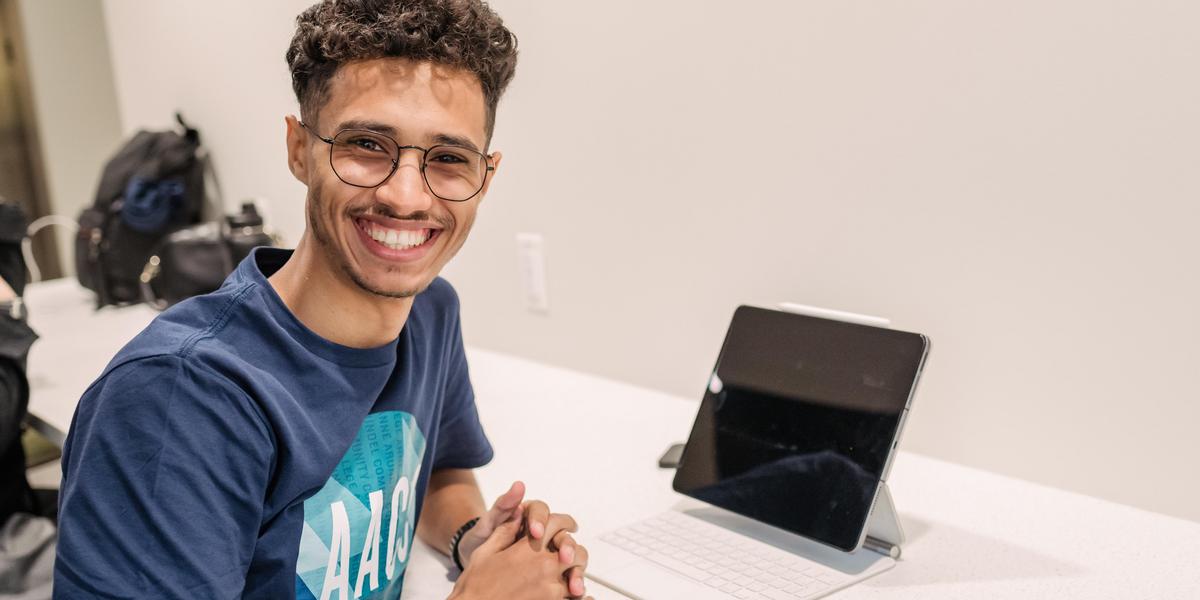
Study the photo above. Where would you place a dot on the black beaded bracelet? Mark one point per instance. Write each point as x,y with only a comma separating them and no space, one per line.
456,538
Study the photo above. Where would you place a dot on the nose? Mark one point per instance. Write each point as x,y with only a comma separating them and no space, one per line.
405,191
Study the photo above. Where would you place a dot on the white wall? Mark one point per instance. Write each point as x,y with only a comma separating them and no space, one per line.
220,63
1015,179
74,103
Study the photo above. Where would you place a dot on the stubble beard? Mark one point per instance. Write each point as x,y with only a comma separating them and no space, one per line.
316,208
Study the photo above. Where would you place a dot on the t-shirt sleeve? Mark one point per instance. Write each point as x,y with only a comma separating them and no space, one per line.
165,473
461,442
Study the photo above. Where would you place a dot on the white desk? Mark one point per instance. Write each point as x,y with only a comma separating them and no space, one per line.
971,534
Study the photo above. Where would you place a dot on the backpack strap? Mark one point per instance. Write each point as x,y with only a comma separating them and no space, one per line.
214,209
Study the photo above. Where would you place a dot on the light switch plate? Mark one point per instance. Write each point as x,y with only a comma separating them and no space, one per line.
531,260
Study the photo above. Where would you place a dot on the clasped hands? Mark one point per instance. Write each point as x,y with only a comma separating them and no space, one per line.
519,550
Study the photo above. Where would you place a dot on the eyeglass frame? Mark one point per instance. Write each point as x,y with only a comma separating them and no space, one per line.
487,160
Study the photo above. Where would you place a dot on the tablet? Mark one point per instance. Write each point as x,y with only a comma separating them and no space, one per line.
800,421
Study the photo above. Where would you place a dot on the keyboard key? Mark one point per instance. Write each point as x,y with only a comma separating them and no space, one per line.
778,582
678,566
774,594
716,582
765,578
796,576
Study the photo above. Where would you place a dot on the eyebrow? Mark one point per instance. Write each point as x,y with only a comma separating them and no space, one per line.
384,128
454,140
375,126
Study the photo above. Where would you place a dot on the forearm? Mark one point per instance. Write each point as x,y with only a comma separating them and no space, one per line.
451,499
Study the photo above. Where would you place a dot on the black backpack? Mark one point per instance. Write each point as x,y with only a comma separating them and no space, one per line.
13,227
152,187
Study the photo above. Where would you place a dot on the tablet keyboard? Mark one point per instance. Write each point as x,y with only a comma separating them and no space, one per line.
721,559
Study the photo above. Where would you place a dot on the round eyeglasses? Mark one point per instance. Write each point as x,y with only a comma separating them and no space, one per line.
366,159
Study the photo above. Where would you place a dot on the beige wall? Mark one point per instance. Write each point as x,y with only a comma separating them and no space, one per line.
74,103
1016,179
219,62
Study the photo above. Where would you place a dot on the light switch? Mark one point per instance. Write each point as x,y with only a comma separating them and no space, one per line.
531,259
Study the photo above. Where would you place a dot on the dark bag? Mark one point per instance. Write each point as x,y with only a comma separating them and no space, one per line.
197,260
152,187
12,230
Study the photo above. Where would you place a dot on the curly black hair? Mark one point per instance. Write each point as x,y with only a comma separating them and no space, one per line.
465,34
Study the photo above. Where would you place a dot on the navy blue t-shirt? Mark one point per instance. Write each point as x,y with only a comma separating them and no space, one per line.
230,452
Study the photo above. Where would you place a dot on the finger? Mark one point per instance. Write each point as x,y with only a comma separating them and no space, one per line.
575,586
502,537
557,524
504,509
574,576
507,505
571,552
581,559
510,500
536,515
576,556
565,545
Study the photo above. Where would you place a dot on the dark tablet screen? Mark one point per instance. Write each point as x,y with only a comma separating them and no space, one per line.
798,422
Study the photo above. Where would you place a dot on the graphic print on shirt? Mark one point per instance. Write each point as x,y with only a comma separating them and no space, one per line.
358,529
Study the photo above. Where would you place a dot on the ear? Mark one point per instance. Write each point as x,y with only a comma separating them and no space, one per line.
297,149
495,161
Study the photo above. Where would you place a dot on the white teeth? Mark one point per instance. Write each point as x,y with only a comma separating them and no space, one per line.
398,239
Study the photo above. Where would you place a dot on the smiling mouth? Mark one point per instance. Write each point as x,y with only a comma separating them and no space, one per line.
396,239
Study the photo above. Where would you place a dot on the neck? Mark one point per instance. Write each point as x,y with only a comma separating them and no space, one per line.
329,303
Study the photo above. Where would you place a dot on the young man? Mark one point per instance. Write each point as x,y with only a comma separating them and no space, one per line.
286,435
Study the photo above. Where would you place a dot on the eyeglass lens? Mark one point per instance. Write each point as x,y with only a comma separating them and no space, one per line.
365,159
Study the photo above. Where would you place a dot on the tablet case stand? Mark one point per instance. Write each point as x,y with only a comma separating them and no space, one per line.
884,534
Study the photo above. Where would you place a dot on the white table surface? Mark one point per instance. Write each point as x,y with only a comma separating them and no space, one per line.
589,446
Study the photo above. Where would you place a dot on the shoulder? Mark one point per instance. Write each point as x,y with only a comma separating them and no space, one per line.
440,294
179,329
434,325
176,362
437,306
161,383
149,401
